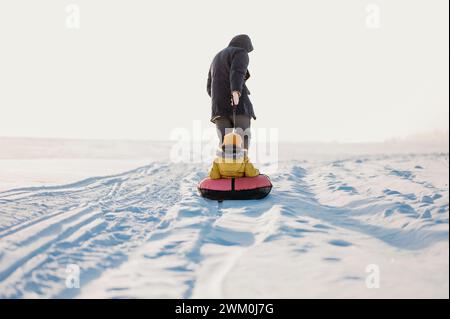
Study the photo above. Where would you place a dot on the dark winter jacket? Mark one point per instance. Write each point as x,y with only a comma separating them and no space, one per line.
228,73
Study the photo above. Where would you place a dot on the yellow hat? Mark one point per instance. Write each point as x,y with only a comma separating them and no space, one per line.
232,139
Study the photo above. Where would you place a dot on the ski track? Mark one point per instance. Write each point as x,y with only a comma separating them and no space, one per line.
147,233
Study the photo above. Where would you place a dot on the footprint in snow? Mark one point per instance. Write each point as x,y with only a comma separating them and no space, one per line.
355,278
348,189
388,191
297,172
337,164
426,214
321,226
404,209
402,174
332,259
391,192
339,243
443,209
427,199
436,196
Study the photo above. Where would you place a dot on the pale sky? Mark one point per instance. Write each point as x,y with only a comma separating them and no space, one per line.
321,69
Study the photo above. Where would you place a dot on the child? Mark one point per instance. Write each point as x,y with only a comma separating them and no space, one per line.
232,160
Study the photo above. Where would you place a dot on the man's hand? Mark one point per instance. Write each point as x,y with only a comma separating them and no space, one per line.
235,98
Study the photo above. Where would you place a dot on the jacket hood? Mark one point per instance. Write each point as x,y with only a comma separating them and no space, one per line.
242,41
235,154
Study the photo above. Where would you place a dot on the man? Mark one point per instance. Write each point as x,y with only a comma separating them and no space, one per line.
227,89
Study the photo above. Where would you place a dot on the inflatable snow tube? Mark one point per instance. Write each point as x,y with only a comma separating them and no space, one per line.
235,188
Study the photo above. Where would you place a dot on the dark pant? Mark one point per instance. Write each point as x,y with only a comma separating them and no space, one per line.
224,125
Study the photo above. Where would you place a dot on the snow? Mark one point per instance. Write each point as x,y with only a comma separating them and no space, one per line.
136,227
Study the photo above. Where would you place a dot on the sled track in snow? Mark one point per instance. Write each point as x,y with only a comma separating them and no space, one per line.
98,219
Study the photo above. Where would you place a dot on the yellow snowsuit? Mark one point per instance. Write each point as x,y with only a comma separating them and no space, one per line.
229,167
